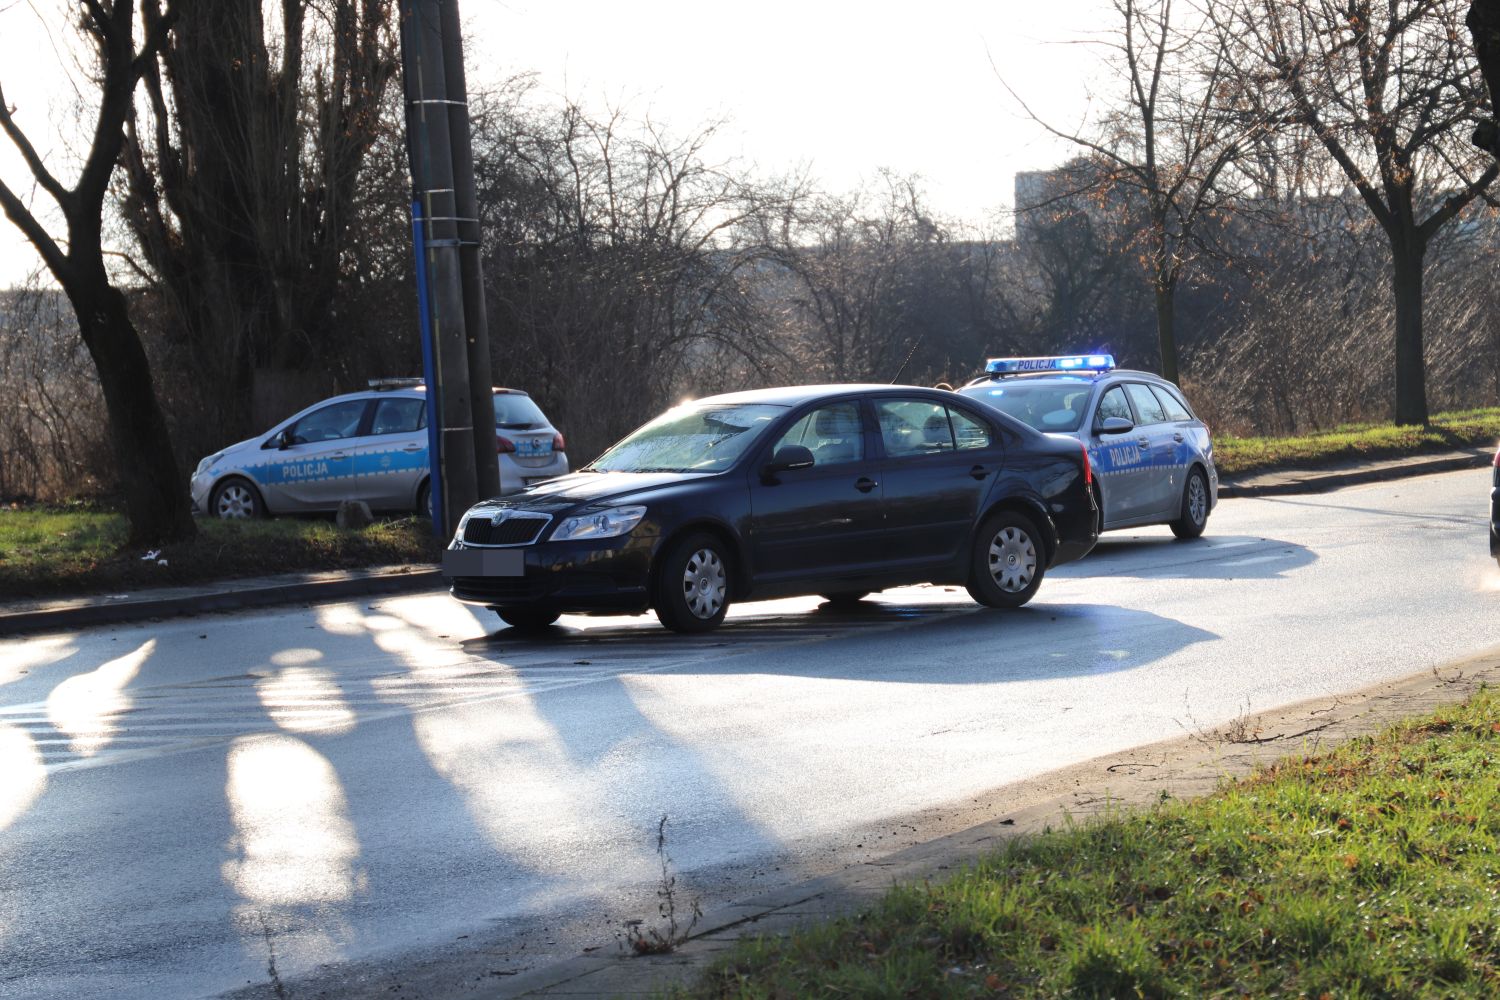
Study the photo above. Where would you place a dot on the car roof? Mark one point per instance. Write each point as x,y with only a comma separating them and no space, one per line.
791,395
1064,377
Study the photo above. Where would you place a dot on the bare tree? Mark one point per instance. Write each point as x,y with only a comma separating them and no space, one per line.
246,171
155,496
1167,140
1484,27
1387,89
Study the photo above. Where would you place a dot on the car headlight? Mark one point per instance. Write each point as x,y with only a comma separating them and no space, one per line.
204,465
599,524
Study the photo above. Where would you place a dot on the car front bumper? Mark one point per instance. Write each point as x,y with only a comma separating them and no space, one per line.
603,575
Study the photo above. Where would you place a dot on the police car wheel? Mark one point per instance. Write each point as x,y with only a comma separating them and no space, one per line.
424,501
690,585
1194,516
528,619
1007,561
235,500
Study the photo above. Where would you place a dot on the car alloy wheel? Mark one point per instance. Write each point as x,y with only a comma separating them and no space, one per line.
1194,507
235,501
1012,559
704,584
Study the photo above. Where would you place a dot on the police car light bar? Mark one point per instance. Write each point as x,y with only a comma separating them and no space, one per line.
380,384
1066,363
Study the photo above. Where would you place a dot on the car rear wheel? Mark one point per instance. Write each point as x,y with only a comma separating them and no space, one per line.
1194,517
690,588
1007,560
528,619
235,499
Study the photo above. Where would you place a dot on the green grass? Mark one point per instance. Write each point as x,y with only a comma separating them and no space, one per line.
47,551
1459,429
1371,871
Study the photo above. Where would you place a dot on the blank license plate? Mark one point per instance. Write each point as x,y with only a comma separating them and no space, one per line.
484,562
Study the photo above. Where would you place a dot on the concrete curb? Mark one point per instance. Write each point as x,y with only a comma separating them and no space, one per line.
1189,767
228,595
1290,483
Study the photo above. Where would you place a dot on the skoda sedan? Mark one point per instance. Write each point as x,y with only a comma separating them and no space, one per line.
837,490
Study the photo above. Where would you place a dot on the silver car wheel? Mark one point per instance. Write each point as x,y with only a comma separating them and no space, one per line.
1012,559
704,584
1197,500
236,502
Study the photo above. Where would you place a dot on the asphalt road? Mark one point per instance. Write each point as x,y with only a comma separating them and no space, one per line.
398,790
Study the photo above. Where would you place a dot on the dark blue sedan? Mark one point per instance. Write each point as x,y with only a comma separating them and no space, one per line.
836,490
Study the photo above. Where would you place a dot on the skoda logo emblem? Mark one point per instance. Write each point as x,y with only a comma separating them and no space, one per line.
498,517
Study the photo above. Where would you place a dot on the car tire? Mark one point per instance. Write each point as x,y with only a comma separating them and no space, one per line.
1194,517
424,499
846,598
690,585
528,619
1007,560
236,499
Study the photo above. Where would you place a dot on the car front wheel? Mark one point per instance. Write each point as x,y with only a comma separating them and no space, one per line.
1194,517
235,500
690,588
1007,565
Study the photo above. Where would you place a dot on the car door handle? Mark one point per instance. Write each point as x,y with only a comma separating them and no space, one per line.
413,447
1177,437
339,454
865,484
1143,442
979,472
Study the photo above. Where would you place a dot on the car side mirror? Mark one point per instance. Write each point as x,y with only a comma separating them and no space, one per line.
1116,425
284,440
789,457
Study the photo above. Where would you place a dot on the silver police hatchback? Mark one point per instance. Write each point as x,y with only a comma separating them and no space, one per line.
369,446
1153,460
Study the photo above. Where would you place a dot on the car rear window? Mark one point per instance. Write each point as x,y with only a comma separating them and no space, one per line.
1176,409
514,412
1146,406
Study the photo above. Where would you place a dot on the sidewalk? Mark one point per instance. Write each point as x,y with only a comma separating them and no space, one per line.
231,595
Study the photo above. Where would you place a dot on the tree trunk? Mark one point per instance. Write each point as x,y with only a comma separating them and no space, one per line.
1166,328
156,499
1407,255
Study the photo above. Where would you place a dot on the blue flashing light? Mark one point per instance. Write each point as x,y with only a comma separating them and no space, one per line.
1067,363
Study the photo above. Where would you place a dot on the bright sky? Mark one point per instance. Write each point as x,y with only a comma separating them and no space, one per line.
842,88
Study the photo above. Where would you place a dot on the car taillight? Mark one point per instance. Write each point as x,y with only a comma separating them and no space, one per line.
558,444
504,444
1088,467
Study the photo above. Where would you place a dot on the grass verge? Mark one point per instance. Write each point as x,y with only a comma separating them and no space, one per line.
1458,429
1370,871
47,551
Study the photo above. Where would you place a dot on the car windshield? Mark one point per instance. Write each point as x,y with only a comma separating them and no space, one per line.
514,412
691,438
1051,408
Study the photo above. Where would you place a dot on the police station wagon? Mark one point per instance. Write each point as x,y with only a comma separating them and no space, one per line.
1153,461
369,446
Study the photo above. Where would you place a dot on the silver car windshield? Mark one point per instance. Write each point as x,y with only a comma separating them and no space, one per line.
691,438
1050,408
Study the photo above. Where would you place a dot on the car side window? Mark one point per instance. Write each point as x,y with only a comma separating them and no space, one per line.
399,415
968,433
1176,410
833,434
1145,403
341,420
1113,404
1171,404
914,427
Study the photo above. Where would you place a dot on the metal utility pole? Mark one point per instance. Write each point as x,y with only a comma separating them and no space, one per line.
456,344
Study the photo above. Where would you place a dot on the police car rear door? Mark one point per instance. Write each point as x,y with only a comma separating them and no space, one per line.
1159,486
